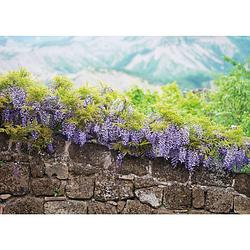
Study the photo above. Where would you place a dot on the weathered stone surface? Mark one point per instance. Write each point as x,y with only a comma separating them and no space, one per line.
6,156
219,200
242,184
65,207
151,196
136,207
133,165
37,167
241,204
46,187
59,144
96,207
57,167
14,178
90,159
143,182
84,169
5,196
198,194
217,177
24,205
3,142
177,197
163,171
120,206
80,187
112,188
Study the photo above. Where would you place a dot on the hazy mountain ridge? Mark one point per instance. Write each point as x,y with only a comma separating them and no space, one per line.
158,60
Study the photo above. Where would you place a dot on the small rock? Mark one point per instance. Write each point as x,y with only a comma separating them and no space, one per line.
5,196
151,196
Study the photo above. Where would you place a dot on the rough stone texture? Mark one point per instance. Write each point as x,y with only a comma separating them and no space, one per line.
90,159
135,207
133,165
143,182
150,196
24,205
46,187
242,184
65,207
87,180
163,171
38,168
120,206
198,195
241,204
207,177
96,207
219,200
80,187
177,197
14,178
57,167
112,188
3,142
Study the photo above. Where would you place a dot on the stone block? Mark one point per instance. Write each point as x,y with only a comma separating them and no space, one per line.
96,207
241,205
219,200
80,187
65,207
198,195
24,205
151,196
46,187
177,197
112,188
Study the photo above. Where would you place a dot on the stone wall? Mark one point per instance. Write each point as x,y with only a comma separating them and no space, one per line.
87,181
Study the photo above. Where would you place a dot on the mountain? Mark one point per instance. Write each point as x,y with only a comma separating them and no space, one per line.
124,61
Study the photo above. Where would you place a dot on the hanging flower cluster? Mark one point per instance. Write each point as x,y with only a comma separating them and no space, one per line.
172,143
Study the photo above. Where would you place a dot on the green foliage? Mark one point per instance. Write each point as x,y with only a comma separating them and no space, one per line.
230,103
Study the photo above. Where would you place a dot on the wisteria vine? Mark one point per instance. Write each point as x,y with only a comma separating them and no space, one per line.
171,143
